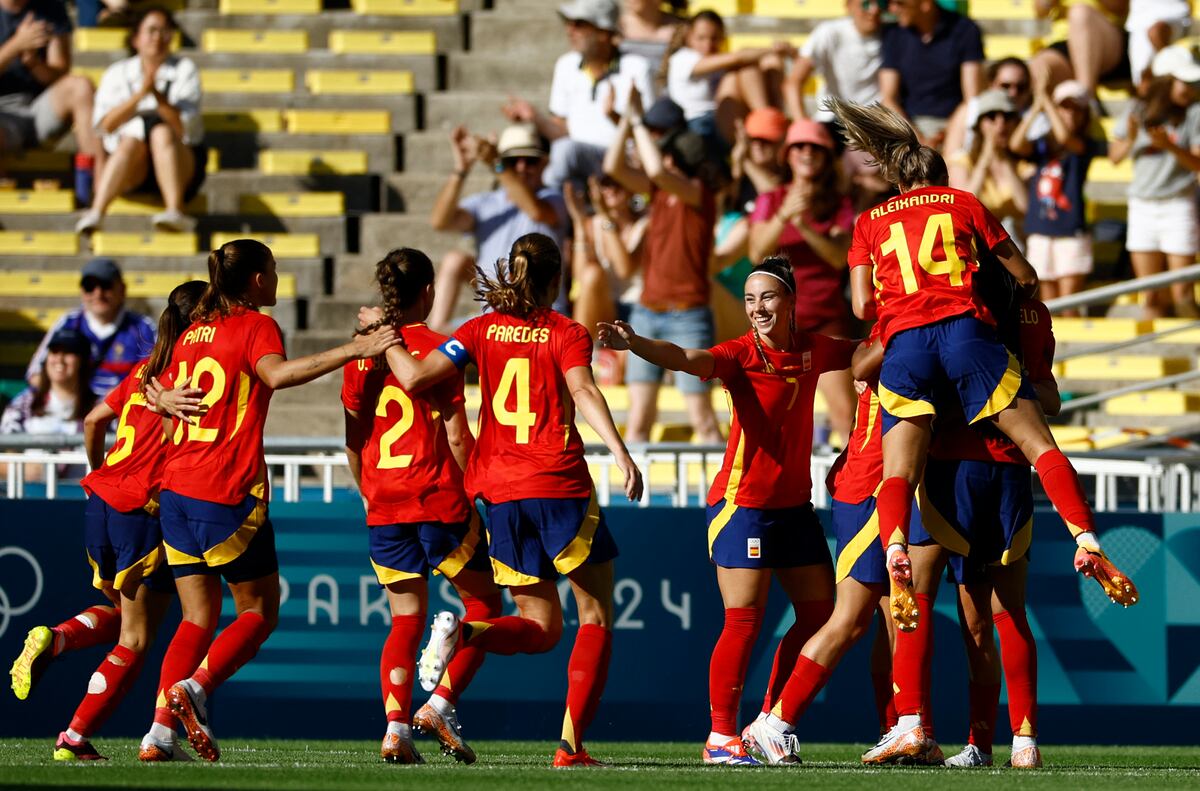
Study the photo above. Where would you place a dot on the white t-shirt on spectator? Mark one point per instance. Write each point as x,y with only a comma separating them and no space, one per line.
177,79
575,97
848,62
696,96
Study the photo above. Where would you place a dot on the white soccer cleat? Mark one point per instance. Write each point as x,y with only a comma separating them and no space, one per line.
443,642
971,756
898,746
770,745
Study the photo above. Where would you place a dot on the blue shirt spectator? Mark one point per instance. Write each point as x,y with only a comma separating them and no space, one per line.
16,77
1056,205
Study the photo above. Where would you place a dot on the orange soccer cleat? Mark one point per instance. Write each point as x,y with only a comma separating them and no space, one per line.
1117,586
565,759
899,746
187,702
399,749
1026,758
902,601
444,727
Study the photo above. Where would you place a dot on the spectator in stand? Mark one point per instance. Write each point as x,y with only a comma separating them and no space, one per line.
1012,77
1059,244
717,88
988,170
1089,46
756,169
1151,26
932,63
646,29
1162,132
39,100
682,177
118,337
61,398
520,204
588,93
808,220
847,54
148,108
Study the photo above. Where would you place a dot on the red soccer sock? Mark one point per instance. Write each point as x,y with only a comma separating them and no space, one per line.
183,656
587,673
727,668
397,664
105,689
806,681
894,507
508,635
1062,486
885,707
1018,655
234,647
99,625
810,617
984,700
914,651
469,657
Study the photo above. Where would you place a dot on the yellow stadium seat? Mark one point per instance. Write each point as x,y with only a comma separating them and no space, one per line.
1154,402
93,73
144,244
283,245
738,41
38,243
338,122
1097,211
29,318
107,39
293,204
37,160
999,47
214,161
1103,170
16,354
798,9
243,121
383,42
145,204
1124,366
298,163
1100,330
1187,336
671,432
36,201
726,8
617,397
405,7
270,6
248,80
275,42
1000,9
349,81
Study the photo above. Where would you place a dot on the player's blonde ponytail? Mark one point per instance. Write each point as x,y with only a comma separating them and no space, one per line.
523,279
892,143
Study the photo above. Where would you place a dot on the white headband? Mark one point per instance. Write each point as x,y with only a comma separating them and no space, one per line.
771,274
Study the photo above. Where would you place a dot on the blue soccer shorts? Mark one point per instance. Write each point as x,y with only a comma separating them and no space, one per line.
410,550
124,547
537,539
203,537
740,537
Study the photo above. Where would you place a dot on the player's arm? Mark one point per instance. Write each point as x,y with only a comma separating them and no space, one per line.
620,336
458,434
355,439
862,293
415,375
94,427
591,404
1017,265
867,361
277,372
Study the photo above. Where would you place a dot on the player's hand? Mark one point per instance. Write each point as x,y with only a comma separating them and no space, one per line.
633,478
183,401
616,335
369,315
375,342
860,387
1117,586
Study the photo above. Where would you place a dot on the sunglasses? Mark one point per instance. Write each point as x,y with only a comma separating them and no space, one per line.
995,114
90,284
1020,87
511,162
874,5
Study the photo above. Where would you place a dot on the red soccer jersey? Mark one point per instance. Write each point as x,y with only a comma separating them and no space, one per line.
954,439
769,455
221,459
528,446
132,470
856,474
922,246
408,472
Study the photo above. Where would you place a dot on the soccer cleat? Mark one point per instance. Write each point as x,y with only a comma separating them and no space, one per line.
905,612
1029,757
770,745
154,751
731,753
898,747
444,635
35,656
82,750
565,759
933,755
970,756
1117,586
444,728
185,700
397,749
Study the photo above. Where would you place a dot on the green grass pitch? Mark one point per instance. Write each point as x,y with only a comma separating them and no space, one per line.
301,764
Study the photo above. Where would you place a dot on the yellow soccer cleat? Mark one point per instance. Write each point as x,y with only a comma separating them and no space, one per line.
34,658
1117,586
903,604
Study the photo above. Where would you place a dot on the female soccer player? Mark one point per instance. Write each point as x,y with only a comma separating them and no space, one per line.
214,485
528,467
407,454
934,326
761,521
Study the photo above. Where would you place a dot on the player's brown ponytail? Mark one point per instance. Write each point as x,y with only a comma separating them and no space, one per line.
230,269
523,279
402,275
171,324
891,141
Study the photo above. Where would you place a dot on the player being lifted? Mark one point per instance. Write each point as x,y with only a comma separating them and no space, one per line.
528,467
407,454
761,521
912,261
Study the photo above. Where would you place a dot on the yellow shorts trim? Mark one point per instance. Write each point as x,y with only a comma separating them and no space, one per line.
1020,544
142,568
232,548
901,407
177,558
1005,391
858,545
938,526
387,576
576,553
506,575
97,581
462,554
719,522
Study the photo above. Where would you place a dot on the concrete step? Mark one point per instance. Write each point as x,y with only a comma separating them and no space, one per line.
240,149
323,419
312,341
494,32
416,192
426,152
317,392
337,314
379,233
224,189
1101,419
479,111
354,278
450,30
503,74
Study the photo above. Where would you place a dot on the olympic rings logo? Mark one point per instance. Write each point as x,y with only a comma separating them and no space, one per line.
7,609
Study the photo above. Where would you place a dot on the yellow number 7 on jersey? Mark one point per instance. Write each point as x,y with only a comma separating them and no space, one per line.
515,376
937,224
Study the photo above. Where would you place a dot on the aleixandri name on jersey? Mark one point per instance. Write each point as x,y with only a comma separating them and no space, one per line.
896,204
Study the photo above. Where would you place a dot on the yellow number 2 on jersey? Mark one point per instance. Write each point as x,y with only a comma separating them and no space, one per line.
213,392
515,376
937,225
394,395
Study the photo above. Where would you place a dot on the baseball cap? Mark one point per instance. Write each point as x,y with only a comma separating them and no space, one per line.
805,130
766,123
601,13
688,149
1070,90
664,115
1178,62
520,140
105,269
993,100
66,339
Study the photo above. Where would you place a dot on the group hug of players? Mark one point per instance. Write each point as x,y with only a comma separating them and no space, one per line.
180,500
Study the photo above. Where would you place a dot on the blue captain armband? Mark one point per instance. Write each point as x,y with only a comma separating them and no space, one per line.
453,348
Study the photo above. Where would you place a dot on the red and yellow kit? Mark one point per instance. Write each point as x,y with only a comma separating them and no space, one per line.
857,472
220,459
922,245
132,470
768,456
408,471
527,444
